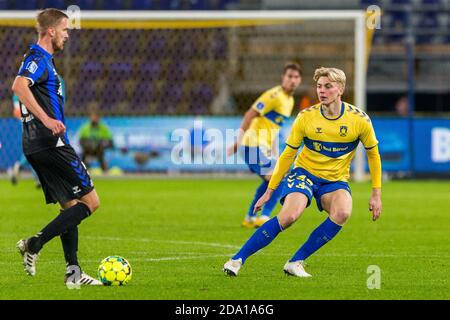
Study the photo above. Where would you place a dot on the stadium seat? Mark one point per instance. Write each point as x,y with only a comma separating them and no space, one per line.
432,2
400,2
143,5
178,71
201,97
58,4
87,4
114,5
143,95
155,47
427,23
25,5
150,70
119,71
92,70
199,4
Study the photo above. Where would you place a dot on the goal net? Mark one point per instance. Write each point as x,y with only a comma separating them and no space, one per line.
142,65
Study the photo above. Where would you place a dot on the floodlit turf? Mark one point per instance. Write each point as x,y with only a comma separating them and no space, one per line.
178,233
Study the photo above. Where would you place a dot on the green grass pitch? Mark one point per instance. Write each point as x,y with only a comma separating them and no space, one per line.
178,233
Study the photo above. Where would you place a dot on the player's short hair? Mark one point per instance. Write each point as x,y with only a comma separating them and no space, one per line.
334,74
292,66
48,18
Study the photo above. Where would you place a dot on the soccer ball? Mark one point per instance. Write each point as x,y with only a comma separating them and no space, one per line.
114,271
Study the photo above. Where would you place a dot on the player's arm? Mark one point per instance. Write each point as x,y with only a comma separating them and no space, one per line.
21,88
374,161
284,162
370,142
245,124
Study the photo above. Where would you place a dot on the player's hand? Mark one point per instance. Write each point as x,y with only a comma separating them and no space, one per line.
231,150
56,126
262,201
375,205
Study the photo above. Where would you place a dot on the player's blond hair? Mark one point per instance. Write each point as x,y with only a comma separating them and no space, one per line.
48,18
334,74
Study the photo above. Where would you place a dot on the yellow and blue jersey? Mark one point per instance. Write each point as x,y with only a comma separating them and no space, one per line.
330,144
274,107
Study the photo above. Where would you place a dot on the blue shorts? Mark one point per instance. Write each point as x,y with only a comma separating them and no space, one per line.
300,180
258,160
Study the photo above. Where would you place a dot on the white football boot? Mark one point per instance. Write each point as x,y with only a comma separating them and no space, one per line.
29,259
75,278
232,267
296,268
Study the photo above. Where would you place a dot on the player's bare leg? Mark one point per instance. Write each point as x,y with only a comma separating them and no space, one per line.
294,205
338,205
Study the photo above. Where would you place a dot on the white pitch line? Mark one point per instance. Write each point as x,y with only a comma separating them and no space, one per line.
209,244
141,259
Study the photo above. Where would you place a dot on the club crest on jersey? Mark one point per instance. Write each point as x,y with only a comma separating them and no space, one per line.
32,67
343,131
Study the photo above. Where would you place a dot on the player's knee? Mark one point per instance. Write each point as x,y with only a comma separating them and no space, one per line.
340,216
93,203
287,219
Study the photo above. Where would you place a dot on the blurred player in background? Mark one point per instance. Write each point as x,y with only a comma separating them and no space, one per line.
62,174
330,131
258,135
95,139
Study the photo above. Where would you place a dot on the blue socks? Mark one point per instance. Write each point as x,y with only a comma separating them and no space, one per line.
320,236
261,238
259,192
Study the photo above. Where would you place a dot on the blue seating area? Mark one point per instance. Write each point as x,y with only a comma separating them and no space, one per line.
118,4
430,20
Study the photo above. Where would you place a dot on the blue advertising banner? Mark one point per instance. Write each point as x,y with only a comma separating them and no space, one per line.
431,149
393,137
199,144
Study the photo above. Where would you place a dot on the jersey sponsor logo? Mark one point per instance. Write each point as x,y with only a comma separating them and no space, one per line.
343,131
331,149
32,67
260,106
317,146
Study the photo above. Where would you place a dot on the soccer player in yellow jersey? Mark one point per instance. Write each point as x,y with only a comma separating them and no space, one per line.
330,132
258,135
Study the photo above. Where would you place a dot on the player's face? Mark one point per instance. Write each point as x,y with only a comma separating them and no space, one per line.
61,35
328,91
291,80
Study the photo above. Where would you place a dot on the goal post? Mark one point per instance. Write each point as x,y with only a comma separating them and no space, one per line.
255,42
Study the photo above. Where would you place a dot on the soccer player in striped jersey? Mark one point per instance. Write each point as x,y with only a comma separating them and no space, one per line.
330,132
258,135
62,174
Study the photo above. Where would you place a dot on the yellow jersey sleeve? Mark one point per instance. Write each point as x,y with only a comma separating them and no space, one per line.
265,103
374,161
282,167
367,134
295,138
